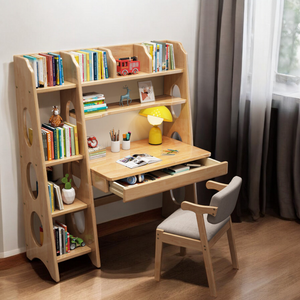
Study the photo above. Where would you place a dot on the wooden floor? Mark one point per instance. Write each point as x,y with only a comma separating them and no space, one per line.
268,250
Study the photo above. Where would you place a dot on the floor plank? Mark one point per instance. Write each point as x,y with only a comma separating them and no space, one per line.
268,252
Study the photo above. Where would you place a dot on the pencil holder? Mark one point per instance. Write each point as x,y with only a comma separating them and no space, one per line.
115,146
125,145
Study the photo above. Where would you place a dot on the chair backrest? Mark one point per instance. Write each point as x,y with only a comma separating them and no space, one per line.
225,200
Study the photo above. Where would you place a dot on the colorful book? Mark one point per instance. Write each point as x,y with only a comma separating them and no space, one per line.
85,70
75,137
89,110
49,59
44,140
58,197
67,247
56,238
58,67
67,140
94,58
42,67
61,141
99,56
50,144
55,139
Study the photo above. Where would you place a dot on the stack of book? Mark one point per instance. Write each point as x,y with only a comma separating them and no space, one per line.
93,102
59,142
92,64
48,69
62,238
55,196
163,58
176,169
97,152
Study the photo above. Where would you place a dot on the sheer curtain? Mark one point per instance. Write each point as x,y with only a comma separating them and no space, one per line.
260,49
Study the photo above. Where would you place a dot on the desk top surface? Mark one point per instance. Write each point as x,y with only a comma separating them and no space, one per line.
108,168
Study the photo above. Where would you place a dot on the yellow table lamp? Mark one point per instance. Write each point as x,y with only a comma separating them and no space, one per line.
156,115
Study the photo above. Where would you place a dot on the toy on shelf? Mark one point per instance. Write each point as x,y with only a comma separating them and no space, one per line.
56,120
76,242
92,142
128,65
126,96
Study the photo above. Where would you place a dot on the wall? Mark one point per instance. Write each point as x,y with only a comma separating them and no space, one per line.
37,26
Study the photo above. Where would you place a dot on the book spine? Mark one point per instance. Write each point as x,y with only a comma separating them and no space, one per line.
95,65
61,142
72,141
68,242
54,71
62,71
44,139
87,110
105,64
56,238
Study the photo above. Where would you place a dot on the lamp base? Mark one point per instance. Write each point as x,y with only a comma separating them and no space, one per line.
155,136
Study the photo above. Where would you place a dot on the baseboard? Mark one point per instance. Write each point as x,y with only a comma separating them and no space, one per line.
12,252
128,222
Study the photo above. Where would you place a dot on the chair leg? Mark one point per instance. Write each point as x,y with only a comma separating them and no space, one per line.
231,242
209,271
182,251
158,254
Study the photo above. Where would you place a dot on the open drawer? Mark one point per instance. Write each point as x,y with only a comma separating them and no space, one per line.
210,168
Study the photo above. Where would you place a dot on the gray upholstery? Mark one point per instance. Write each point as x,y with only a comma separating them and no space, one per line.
184,223
225,200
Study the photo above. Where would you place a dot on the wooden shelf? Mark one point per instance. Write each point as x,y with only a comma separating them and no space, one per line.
115,108
140,75
55,162
66,86
77,205
74,253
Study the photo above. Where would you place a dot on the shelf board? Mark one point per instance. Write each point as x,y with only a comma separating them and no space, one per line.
115,108
74,253
66,86
77,205
140,75
64,160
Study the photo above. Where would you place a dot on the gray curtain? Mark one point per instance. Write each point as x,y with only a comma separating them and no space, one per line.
218,82
283,171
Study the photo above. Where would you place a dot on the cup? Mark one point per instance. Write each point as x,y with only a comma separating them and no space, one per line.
115,146
126,145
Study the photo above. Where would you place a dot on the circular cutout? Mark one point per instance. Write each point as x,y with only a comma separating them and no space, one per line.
176,109
37,229
27,127
32,181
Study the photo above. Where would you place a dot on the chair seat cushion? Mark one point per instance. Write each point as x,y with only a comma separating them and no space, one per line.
184,223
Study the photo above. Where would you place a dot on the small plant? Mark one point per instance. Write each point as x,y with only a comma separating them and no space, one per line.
66,182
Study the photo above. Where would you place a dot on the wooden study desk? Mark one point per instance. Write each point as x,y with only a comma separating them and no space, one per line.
105,171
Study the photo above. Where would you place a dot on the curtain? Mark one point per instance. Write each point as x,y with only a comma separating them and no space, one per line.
218,83
236,116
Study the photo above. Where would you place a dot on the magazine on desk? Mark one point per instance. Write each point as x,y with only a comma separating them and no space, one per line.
137,160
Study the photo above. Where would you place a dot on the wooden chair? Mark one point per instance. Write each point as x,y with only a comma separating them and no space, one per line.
190,222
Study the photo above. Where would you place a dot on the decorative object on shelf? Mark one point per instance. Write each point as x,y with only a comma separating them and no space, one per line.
76,242
56,120
126,96
146,91
128,65
156,115
92,142
68,192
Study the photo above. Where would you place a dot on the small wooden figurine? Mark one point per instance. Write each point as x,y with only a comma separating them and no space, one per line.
56,120
126,96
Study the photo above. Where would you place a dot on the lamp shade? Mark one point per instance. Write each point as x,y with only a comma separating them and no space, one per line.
156,115
158,111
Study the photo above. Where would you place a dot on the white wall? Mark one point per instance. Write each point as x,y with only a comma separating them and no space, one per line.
36,26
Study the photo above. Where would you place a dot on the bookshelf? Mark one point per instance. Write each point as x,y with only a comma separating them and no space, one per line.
28,100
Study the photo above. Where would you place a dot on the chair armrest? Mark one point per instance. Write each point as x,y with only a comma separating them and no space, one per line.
199,209
213,185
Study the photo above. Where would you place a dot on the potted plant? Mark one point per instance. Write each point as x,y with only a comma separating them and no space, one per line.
68,192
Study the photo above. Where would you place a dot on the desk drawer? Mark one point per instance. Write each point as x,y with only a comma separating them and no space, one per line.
210,168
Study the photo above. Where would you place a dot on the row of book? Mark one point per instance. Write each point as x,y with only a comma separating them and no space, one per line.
59,142
93,102
162,54
55,196
92,64
47,68
97,152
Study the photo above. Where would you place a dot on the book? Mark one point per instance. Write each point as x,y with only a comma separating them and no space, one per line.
42,68
34,65
56,239
79,58
137,160
58,198
50,144
55,139
179,168
99,66
162,59
92,96
95,64
75,137
153,55
84,55
89,110
67,140
61,141
105,69
52,196
49,68
44,140
90,65
67,248
58,67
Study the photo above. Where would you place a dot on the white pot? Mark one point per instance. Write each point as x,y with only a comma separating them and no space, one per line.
68,195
